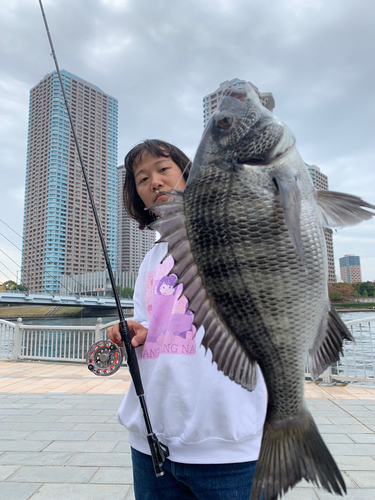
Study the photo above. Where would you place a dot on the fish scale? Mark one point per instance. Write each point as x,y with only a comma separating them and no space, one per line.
259,271
249,248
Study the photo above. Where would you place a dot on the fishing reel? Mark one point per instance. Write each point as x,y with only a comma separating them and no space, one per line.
104,358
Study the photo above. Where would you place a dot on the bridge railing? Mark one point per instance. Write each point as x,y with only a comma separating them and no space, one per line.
70,343
7,330
50,343
357,363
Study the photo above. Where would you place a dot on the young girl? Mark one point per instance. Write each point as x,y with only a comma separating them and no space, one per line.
211,425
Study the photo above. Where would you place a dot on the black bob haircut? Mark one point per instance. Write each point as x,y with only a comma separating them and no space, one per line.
133,203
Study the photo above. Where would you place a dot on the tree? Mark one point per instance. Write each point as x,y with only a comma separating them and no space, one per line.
365,294
124,292
368,287
12,285
334,295
346,290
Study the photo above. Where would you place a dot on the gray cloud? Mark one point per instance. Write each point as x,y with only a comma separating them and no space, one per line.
159,58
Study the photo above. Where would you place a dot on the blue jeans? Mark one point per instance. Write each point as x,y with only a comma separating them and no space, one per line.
191,481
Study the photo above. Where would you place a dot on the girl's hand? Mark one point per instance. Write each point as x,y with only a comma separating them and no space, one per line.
137,331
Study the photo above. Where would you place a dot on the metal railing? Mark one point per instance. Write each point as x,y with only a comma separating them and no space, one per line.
357,362
50,343
70,343
6,338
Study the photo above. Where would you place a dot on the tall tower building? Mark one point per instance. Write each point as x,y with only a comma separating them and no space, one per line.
210,101
320,181
132,243
60,236
350,269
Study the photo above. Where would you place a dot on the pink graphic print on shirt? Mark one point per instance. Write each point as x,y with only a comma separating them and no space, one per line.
171,329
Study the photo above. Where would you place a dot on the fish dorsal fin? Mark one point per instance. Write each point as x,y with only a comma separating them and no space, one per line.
341,209
227,352
290,197
328,345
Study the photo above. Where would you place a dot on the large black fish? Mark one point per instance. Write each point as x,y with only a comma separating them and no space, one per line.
248,243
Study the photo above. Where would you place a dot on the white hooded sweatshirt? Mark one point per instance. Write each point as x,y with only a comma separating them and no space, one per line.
201,415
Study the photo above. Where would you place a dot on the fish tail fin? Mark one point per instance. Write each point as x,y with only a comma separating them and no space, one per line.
292,450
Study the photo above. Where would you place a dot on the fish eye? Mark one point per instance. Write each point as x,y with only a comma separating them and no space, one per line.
225,122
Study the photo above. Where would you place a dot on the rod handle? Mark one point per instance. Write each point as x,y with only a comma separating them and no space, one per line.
131,358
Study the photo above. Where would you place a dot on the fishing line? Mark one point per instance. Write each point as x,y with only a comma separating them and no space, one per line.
102,355
182,174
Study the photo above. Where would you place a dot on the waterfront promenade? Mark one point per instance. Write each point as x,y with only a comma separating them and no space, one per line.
60,438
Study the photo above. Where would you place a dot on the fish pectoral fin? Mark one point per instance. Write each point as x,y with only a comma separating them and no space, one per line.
227,352
290,197
230,356
328,345
341,209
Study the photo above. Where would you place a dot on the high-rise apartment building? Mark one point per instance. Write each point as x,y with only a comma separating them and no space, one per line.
210,101
320,181
350,269
132,243
60,236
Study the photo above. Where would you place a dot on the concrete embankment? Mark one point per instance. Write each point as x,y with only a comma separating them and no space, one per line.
11,313
14,312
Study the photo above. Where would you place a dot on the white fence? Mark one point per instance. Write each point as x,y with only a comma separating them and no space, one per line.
357,361
50,343
70,343
6,338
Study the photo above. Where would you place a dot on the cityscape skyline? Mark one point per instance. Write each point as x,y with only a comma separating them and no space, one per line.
316,59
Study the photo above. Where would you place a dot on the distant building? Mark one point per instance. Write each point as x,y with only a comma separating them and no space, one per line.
320,181
350,269
132,243
96,284
60,235
210,101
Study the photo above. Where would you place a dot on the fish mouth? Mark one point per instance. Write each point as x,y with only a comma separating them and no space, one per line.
239,93
266,128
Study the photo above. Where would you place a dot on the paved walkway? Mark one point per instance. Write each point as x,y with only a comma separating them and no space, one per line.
60,438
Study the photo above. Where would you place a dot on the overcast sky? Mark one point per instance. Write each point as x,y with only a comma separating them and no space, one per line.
160,58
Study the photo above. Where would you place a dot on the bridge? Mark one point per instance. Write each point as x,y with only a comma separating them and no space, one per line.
47,299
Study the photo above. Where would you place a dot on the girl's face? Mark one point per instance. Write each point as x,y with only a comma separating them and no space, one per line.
166,289
154,174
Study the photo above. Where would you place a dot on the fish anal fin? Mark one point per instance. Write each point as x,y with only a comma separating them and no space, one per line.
292,450
341,209
290,197
328,345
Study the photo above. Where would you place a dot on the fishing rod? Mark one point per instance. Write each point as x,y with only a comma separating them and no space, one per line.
104,357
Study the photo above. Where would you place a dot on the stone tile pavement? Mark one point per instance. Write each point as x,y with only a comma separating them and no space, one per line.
59,437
